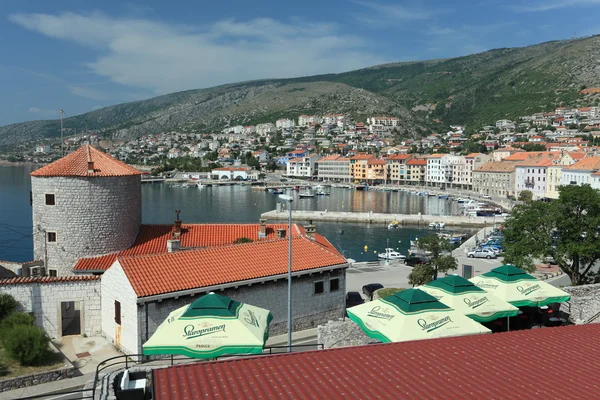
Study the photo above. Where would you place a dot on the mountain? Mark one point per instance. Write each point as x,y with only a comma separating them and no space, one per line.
475,89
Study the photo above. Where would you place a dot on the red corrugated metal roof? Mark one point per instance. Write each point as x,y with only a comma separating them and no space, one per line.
183,270
152,239
78,162
529,364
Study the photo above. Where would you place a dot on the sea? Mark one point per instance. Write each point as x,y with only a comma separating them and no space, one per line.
234,204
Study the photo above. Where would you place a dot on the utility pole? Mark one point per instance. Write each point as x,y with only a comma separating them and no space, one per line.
62,141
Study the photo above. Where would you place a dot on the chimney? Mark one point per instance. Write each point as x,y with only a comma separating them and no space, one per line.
90,163
280,233
262,232
310,229
177,226
173,245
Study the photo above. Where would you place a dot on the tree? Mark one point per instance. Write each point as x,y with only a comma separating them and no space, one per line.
567,230
526,196
7,305
271,166
436,247
420,275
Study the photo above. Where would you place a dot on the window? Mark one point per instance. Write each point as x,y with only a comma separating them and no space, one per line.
51,237
117,312
319,287
52,272
334,285
50,200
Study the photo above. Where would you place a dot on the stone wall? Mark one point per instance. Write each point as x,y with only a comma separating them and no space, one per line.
584,303
342,333
116,287
44,300
36,379
309,309
91,216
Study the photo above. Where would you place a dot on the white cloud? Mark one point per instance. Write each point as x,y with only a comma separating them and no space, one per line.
554,5
42,111
439,30
164,58
394,11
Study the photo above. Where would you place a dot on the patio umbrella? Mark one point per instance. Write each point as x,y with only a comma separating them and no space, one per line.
462,295
517,287
212,326
411,315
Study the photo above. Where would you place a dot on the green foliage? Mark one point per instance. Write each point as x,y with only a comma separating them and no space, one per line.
385,292
7,305
420,275
533,147
573,220
242,239
27,344
526,195
437,249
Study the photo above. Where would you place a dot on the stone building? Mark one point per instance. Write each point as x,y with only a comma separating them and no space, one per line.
85,204
495,178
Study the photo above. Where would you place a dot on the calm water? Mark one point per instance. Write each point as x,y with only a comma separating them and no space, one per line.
234,204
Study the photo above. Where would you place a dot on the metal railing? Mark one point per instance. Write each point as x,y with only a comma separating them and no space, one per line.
126,361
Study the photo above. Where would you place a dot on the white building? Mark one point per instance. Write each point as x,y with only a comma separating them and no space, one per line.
334,119
285,123
581,172
249,129
230,173
532,176
334,168
265,129
504,123
43,149
384,121
435,174
303,167
306,120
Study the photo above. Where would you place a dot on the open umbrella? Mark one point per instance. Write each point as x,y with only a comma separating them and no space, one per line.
517,287
462,295
212,326
411,315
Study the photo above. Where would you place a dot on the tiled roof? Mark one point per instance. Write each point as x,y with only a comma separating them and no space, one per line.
399,157
78,162
332,157
522,364
577,155
435,156
473,155
497,166
376,162
152,239
362,156
417,161
586,164
183,270
47,279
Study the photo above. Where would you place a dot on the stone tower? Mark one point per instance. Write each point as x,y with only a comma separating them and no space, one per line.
85,204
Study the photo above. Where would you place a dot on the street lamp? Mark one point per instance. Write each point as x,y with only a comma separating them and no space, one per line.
289,200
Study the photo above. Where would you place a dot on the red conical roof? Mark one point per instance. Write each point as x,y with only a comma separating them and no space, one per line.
86,161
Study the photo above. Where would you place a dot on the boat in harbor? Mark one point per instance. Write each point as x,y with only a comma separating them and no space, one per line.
360,187
443,196
391,254
461,200
322,193
393,225
306,195
277,191
437,225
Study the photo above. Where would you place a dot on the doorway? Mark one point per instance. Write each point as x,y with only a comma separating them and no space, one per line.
70,315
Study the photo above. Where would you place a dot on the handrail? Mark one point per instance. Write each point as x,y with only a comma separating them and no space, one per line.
592,318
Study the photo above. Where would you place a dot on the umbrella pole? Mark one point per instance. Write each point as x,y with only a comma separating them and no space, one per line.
508,323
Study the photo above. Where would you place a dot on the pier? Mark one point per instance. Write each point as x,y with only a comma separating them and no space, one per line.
382,218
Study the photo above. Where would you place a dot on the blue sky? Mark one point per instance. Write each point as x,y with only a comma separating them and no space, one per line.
81,55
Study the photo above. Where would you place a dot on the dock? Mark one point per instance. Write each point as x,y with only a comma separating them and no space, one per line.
383,218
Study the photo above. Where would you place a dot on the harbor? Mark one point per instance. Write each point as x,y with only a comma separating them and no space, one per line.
392,220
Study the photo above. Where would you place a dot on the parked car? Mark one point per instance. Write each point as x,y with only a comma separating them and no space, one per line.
353,299
496,250
482,253
369,290
414,261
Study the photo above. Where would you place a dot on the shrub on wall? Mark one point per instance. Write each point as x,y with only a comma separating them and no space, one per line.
26,344
7,304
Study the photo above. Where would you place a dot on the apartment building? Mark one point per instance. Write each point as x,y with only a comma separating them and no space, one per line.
472,162
303,167
532,176
383,121
376,171
397,171
495,178
358,166
436,171
416,171
334,168
581,172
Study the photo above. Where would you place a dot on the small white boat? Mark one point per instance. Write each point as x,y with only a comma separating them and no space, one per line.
306,195
393,225
322,193
391,254
437,225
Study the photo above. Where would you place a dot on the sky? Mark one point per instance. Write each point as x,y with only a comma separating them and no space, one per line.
82,55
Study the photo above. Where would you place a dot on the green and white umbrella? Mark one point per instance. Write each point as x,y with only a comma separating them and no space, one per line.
517,287
212,326
462,295
411,315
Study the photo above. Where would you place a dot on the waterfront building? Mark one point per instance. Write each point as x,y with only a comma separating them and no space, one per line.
472,162
553,181
303,167
376,171
397,171
581,172
436,171
417,171
335,168
495,178
358,166
532,176
231,173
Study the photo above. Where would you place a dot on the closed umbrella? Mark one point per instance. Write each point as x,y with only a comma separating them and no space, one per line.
462,295
518,288
411,314
212,326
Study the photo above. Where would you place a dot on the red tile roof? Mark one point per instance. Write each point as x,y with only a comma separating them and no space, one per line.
523,364
362,156
586,164
415,161
473,155
78,162
152,239
399,157
183,270
47,279
231,169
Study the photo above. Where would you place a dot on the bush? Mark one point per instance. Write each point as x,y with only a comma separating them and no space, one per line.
7,304
26,344
14,319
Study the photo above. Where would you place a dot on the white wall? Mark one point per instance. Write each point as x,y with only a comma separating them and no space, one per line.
44,299
116,286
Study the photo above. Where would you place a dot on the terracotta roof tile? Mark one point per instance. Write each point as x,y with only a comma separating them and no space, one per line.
586,164
399,157
152,239
47,279
417,161
183,270
473,155
497,166
78,162
497,366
